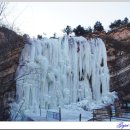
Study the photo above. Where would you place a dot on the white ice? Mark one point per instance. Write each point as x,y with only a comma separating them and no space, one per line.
64,72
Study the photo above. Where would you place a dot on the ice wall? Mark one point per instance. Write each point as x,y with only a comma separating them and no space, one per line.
58,72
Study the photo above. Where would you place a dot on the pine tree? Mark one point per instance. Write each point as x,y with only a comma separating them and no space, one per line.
98,27
125,21
67,30
88,31
79,31
39,36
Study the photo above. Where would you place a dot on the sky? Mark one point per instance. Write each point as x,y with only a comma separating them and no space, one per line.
35,18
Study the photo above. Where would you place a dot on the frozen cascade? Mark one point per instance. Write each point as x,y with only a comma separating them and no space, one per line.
59,72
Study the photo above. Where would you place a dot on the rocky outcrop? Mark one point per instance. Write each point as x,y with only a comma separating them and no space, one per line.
121,34
11,45
118,51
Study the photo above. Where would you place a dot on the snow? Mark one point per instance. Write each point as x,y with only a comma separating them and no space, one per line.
69,72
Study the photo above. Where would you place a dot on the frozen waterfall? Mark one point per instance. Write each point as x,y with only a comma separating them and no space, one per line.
55,73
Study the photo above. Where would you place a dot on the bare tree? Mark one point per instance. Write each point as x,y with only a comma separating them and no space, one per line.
3,6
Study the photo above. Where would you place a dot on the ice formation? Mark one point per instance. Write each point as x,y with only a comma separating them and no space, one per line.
55,73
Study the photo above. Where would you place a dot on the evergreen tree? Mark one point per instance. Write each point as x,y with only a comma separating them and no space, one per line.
79,31
119,23
39,36
125,21
98,27
67,30
54,35
88,31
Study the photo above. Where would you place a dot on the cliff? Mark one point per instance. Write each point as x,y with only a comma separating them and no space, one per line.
11,45
118,51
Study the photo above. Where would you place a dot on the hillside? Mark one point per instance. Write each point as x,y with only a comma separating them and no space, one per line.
118,52
11,45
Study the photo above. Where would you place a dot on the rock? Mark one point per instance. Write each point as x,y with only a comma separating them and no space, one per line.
118,51
11,45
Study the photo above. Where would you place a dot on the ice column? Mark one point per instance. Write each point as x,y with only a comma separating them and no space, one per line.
58,72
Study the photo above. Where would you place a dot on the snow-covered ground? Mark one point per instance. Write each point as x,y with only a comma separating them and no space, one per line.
66,115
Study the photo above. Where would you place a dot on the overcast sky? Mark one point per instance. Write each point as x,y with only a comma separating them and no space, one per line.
48,17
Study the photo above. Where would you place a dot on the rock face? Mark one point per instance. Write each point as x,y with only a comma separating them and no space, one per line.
121,34
11,45
118,51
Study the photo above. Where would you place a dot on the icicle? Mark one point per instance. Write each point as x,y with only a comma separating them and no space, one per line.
57,72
